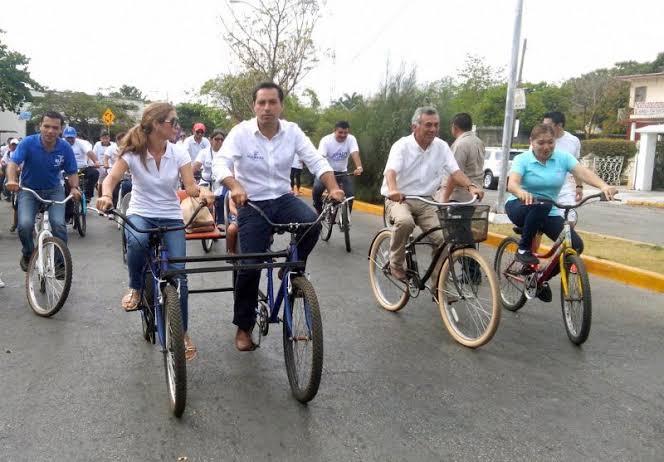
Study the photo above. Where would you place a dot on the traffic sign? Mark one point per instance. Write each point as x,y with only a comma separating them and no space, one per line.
108,118
520,98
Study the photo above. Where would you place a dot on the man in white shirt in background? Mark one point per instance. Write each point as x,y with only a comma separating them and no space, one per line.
336,148
100,149
415,167
572,190
255,164
196,143
86,161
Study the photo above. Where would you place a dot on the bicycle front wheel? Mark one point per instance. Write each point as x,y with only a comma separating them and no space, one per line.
510,275
48,279
390,293
468,298
174,360
207,244
81,224
345,225
328,223
577,302
303,341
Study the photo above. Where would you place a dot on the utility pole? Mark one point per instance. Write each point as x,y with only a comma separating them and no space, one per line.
509,106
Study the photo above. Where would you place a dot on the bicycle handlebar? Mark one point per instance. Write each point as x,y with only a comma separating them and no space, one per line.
161,229
444,204
544,200
45,201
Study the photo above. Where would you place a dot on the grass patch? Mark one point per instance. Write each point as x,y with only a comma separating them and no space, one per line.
639,255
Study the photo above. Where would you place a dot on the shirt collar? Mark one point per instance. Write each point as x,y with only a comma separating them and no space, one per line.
531,153
256,131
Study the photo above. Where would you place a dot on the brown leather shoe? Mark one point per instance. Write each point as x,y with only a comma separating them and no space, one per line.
243,341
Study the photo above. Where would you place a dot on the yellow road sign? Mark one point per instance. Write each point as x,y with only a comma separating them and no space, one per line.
108,118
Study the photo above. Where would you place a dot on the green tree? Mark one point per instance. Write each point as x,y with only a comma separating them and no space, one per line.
83,111
15,80
233,93
128,92
212,117
273,38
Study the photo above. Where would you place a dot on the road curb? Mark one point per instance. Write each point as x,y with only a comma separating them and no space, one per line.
642,203
611,270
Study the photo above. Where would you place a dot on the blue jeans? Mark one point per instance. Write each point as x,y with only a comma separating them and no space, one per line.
344,182
138,250
28,206
255,236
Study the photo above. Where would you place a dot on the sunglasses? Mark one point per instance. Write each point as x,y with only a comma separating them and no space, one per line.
200,132
174,122
218,138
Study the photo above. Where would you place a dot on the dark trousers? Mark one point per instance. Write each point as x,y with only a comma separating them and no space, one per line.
295,175
28,206
534,218
345,183
89,180
255,235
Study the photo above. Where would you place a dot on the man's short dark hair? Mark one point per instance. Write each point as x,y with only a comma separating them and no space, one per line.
53,115
556,117
342,124
104,133
268,86
463,121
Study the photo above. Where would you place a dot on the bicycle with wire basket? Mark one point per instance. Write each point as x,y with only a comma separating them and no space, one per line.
302,324
520,283
49,273
466,289
161,317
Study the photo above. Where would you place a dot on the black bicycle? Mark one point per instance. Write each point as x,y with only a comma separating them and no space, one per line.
338,214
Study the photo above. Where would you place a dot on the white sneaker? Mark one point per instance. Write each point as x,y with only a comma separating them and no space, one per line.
2,284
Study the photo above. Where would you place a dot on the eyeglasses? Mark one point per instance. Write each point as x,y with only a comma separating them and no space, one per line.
218,138
200,132
174,122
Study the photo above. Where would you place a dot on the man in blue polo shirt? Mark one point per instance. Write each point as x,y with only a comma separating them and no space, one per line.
44,156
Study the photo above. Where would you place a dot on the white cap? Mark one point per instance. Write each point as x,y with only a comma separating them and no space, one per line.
13,141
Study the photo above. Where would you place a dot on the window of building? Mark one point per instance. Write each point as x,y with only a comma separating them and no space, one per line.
640,94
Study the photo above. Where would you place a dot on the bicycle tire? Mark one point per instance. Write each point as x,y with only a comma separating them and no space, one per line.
34,283
207,244
575,280
307,327
175,363
328,223
345,219
474,324
512,288
79,221
386,290
124,246
147,309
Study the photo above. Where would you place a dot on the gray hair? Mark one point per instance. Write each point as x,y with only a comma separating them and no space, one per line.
428,110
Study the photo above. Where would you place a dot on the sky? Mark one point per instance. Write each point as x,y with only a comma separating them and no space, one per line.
168,48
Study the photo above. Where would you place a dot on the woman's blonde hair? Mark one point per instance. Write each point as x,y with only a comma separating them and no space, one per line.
136,139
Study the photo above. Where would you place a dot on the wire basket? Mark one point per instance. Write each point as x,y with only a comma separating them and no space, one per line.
464,224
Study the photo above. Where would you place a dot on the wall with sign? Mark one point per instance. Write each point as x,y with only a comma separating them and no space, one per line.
11,126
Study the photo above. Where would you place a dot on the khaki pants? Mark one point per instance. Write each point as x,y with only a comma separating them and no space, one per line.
405,216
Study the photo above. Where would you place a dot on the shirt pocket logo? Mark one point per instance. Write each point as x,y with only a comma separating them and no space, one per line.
58,161
256,155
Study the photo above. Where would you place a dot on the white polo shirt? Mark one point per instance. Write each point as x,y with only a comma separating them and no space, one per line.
111,154
570,144
419,171
337,153
193,148
153,193
261,165
100,150
81,149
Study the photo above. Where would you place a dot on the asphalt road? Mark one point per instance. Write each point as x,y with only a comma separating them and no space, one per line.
614,219
84,385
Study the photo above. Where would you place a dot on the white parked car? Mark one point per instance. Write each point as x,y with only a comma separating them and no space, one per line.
492,163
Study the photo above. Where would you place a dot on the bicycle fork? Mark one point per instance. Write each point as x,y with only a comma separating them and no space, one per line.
43,234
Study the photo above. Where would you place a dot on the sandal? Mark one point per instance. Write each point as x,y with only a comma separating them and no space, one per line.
190,350
130,301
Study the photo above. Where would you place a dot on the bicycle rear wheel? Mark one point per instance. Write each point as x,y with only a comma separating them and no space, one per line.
174,359
328,224
47,289
509,273
469,306
303,341
345,225
577,303
390,294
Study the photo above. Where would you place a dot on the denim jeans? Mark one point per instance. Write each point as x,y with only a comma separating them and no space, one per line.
138,251
255,236
28,206
534,218
345,183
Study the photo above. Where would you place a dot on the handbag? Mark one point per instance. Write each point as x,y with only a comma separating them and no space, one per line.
203,222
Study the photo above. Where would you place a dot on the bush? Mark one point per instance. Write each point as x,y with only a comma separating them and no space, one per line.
607,147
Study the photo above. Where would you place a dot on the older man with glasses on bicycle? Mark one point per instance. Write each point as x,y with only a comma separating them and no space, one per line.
415,167
255,164
44,156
